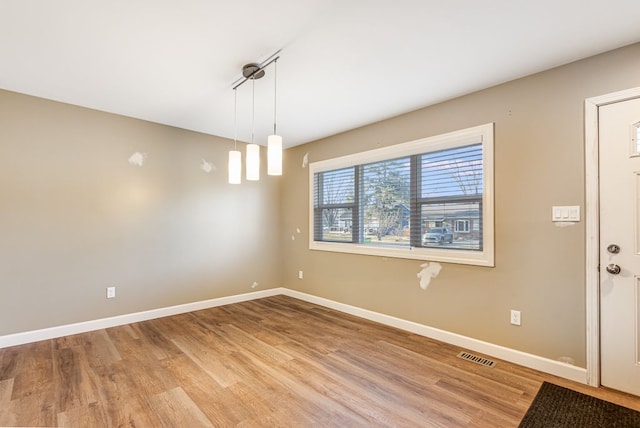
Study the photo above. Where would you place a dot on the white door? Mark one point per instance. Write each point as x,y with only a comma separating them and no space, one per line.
619,153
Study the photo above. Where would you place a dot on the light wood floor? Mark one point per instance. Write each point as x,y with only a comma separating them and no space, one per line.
276,361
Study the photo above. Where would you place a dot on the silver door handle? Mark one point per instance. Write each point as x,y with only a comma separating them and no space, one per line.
613,269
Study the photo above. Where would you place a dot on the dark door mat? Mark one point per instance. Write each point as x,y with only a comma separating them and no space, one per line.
558,407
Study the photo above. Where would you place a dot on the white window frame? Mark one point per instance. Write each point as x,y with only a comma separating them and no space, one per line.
477,134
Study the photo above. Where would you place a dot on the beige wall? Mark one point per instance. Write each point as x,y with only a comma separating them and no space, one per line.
76,217
539,162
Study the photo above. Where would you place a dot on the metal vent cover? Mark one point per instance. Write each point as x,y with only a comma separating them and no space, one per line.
476,359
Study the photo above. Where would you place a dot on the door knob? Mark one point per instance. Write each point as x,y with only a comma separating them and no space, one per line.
613,269
613,249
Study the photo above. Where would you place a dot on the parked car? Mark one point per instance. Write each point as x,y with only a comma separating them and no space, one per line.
438,235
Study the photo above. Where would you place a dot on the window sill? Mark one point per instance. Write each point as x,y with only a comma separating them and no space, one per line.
476,258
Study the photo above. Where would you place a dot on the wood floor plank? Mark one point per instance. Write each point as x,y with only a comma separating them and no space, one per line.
6,389
250,344
123,401
174,408
140,363
218,404
99,348
276,361
356,401
208,362
260,407
299,395
9,361
92,415
330,381
33,397
155,340
29,412
75,387
34,371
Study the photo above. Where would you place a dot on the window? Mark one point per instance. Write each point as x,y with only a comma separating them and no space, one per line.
429,199
462,226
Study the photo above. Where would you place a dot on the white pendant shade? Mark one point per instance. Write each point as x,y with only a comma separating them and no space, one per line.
235,167
274,155
253,162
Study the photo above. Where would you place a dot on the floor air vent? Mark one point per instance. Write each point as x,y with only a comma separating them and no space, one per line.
476,359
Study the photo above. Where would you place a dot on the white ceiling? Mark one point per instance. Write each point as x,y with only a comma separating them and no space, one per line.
343,64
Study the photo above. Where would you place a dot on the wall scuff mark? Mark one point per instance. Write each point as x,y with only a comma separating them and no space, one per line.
429,270
564,223
137,159
567,360
207,166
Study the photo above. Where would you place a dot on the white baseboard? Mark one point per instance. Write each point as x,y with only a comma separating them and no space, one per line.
83,327
546,365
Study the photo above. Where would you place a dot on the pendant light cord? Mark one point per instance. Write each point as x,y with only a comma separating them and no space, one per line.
253,111
275,95
235,119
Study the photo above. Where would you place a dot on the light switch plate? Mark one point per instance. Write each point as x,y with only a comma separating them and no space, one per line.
565,213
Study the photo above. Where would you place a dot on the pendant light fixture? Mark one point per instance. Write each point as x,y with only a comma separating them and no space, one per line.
274,142
235,157
255,72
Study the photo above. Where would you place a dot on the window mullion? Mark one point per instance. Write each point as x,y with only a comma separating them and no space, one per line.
415,227
317,213
357,212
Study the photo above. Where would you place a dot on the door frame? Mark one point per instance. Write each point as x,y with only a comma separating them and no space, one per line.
592,224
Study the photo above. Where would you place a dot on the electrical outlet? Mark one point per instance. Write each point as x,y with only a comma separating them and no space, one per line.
300,274
515,317
111,292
